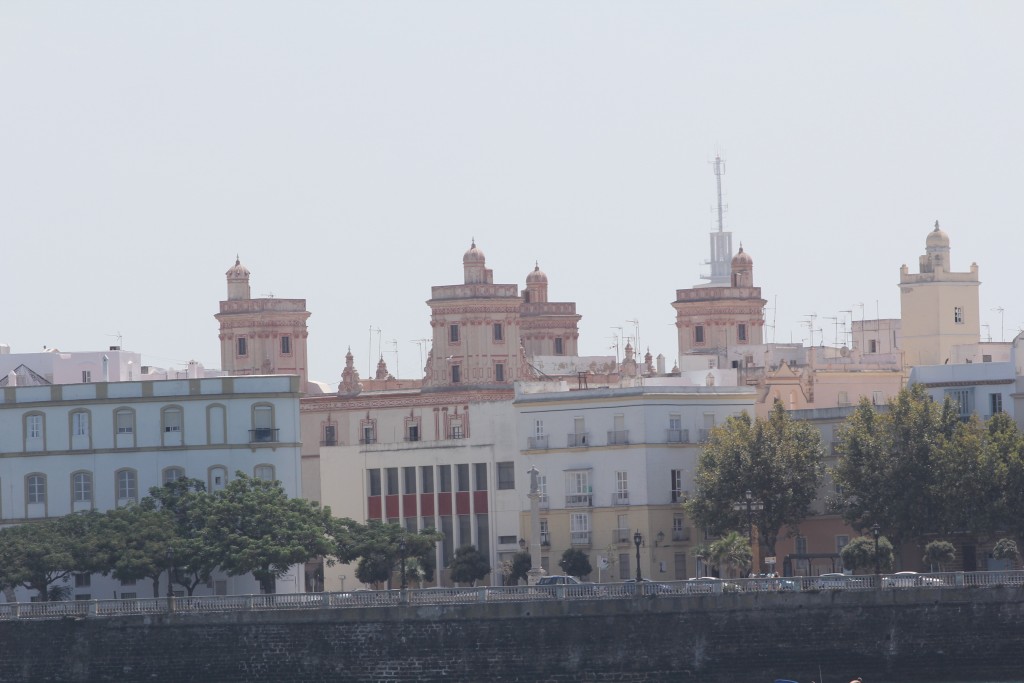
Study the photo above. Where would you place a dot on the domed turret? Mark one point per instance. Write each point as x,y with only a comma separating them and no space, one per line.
937,239
742,269
536,286
238,281
474,265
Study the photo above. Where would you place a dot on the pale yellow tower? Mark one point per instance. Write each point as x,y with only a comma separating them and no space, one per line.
939,308
475,330
549,328
711,319
261,336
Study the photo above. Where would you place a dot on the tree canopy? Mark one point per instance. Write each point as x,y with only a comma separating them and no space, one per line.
469,565
575,562
778,459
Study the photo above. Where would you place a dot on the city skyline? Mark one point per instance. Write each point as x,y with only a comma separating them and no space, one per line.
349,153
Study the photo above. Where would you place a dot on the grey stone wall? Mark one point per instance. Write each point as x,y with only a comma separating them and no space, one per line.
896,636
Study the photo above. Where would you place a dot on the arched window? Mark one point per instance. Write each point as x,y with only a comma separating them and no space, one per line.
127,485
218,478
35,488
263,430
172,474
35,431
81,487
216,424
264,472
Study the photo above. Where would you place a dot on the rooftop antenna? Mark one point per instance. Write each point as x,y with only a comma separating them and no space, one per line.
636,335
721,241
719,172
1002,332
849,336
835,322
394,347
369,350
811,317
420,343
988,331
615,343
117,336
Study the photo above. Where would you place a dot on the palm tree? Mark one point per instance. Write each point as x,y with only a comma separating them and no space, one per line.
732,551
703,553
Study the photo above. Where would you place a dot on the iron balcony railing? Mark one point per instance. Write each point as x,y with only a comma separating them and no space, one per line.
263,435
539,443
581,440
677,436
579,500
618,437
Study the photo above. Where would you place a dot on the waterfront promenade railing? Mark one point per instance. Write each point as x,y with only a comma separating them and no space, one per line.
84,609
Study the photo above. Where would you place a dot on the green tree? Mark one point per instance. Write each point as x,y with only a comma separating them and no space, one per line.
860,554
732,551
888,470
139,543
1006,441
702,552
1005,549
778,459
254,527
377,545
189,505
38,555
469,565
522,562
938,553
575,562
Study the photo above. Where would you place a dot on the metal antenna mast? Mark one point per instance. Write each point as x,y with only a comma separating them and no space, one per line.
420,343
719,171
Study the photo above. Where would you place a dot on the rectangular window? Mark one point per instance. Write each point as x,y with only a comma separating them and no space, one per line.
125,422
506,476
86,376
465,530
579,528
82,485
559,349
625,572
127,485
445,476
456,432
368,434
80,424
172,420
456,374
83,580
841,542
801,545
741,332
677,528
36,488
243,347
35,426
677,485
622,488
963,400
499,372
409,475
872,346
958,315
499,332
286,345
264,472
392,478
330,435
462,473
843,398
698,334
995,403
413,433
427,478
374,482
453,334
480,476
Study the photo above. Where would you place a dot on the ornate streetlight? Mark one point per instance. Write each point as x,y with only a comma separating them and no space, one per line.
875,530
637,540
750,505
401,553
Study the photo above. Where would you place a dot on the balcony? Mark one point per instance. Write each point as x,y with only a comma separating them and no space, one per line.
704,435
537,443
575,440
622,536
368,439
579,500
677,436
263,435
620,498
618,437
681,534
545,538
544,503
329,442
579,538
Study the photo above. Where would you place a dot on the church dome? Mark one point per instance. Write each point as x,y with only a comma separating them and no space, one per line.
237,270
937,238
536,276
742,258
473,254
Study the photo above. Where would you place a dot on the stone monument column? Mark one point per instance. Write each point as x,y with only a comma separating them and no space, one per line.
536,571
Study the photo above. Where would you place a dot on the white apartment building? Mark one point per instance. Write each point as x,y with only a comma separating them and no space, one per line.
614,461
95,446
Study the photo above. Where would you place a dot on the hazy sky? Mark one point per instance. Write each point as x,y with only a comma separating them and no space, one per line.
348,152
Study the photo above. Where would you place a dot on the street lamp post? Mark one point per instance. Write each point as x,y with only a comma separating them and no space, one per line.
637,540
170,573
401,552
875,530
750,505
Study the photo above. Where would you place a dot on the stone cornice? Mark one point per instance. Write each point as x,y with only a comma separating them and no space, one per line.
423,399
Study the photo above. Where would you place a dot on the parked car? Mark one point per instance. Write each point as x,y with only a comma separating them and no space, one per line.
769,583
648,587
837,581
911,580
710,584
572,585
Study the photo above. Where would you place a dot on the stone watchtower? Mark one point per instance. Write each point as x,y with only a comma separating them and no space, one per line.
261,336
711,319
549,328
939,308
